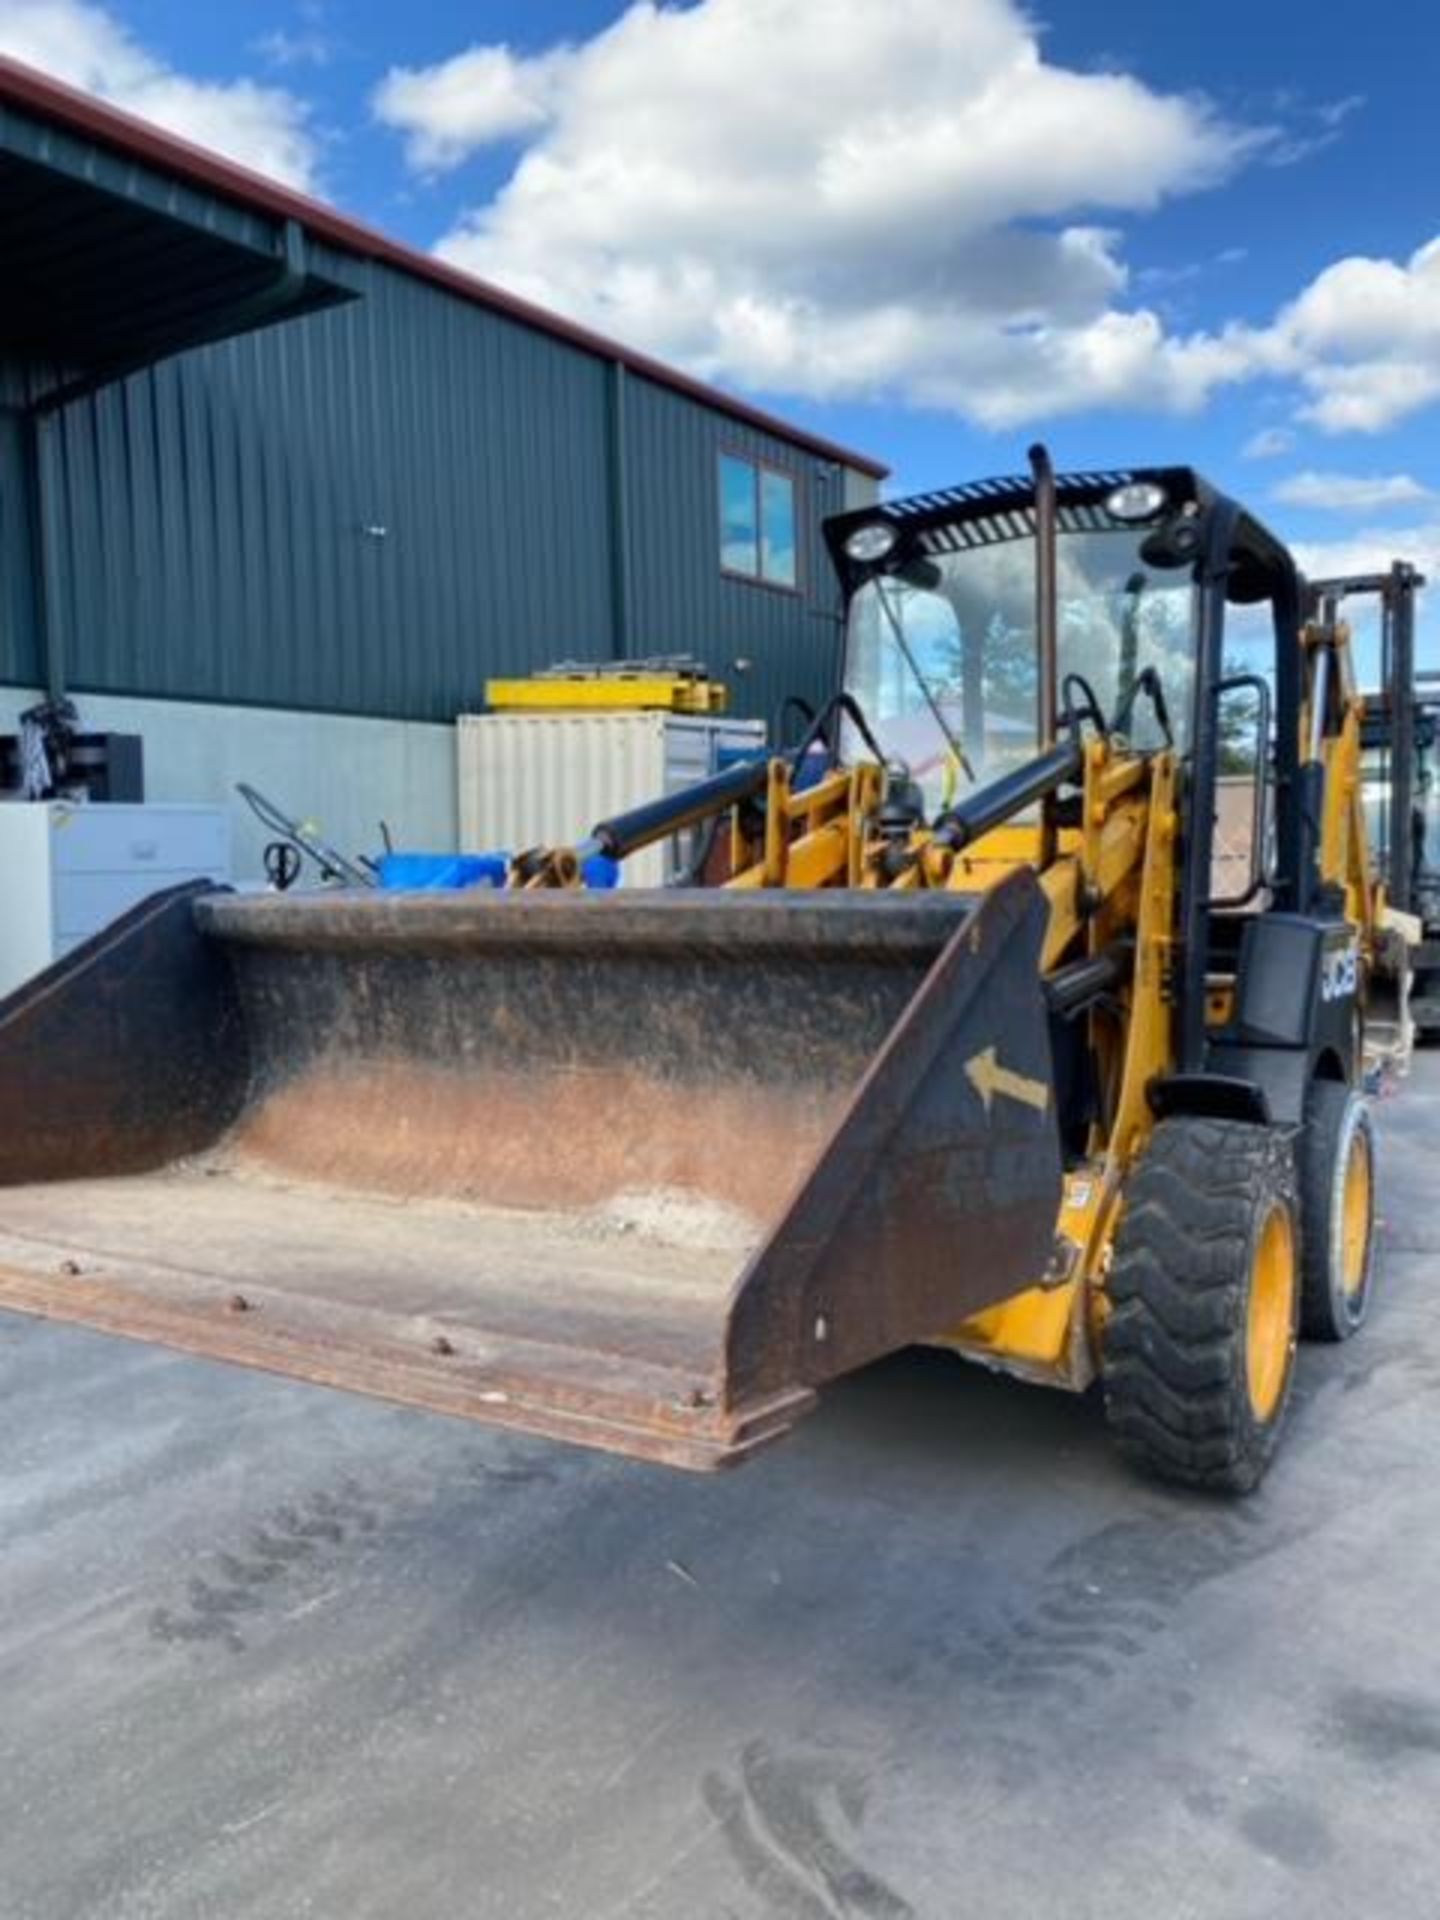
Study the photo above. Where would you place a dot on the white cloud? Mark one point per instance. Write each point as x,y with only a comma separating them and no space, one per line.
1364,339
1268,444
807,196
263,127
1335,112
1371,551
1362,342
1317,128
284,49
484,94
1348,492
1190,271
905,202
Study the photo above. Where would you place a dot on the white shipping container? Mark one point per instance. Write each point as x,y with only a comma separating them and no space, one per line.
545,779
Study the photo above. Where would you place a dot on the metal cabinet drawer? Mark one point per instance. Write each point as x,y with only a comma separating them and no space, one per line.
85,902
133,840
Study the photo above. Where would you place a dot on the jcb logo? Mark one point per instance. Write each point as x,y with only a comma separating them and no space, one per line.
1339,974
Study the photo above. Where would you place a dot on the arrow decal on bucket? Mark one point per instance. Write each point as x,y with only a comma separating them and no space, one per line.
988,1077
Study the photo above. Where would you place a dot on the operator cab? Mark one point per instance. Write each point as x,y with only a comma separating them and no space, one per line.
942,653
943,656
1177,623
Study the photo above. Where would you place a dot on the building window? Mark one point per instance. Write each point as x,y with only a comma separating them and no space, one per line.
757,522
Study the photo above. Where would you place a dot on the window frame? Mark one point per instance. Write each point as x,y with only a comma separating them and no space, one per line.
759,467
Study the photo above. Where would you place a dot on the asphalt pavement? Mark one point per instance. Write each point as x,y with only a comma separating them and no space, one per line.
268,1651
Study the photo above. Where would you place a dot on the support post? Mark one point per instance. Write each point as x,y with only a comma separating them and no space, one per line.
1399,611
40,430
620,566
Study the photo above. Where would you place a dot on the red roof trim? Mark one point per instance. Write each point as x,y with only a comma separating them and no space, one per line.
36,92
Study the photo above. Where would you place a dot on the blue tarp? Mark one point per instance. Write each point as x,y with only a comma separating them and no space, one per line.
453,872
441,872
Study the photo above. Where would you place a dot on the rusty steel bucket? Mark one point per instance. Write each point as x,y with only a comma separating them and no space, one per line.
639,1170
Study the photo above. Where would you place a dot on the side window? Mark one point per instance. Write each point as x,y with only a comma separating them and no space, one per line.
1244,789
757,522
777,528
739,518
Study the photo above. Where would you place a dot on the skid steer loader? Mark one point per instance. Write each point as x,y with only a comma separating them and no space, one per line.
987,1042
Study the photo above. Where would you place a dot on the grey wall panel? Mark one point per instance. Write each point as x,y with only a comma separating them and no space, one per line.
861,490
344,773
367,511
682,599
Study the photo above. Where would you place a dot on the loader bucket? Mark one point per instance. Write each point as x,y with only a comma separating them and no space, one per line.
639,1171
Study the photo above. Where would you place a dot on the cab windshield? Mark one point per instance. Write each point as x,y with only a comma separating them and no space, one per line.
941,654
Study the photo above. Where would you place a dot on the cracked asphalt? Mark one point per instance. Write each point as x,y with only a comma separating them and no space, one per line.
266,1651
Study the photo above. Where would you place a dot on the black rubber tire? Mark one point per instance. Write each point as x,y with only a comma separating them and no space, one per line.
1333,1115
1173,1344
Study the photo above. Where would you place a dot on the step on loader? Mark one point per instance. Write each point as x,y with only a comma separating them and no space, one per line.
1030,1021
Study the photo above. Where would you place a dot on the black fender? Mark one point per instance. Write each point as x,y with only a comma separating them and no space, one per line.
1297,985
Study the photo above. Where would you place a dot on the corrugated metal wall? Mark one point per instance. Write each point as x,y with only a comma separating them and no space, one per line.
364,511
19,650
682,599
374,509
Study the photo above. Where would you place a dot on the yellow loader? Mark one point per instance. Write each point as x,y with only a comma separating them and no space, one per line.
1030,1022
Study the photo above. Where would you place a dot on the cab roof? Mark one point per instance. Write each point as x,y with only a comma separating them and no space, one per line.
981,512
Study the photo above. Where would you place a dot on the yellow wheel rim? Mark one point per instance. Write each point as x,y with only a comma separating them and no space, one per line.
1355,1215
1270,1319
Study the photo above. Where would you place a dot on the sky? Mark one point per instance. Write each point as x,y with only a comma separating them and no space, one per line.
930,229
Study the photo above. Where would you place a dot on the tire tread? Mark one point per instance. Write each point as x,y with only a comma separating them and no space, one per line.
1172,1344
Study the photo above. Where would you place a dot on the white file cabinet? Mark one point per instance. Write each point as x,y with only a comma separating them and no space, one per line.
66,871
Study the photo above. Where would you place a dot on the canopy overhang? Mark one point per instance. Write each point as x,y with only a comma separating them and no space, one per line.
109,264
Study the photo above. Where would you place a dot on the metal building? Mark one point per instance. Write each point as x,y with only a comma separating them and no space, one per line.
281,494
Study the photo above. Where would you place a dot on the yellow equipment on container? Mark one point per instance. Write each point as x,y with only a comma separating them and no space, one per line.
671,683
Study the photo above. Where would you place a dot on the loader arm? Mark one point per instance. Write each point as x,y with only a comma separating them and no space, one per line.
1105,955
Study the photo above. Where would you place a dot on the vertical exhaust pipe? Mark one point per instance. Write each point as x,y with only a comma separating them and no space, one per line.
1042,474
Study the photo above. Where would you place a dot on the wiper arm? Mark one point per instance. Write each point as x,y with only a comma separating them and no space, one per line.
1130,632
904,645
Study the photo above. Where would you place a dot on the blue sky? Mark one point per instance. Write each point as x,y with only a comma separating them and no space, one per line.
927,228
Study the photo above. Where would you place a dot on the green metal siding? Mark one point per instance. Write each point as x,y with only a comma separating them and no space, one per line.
682,599
223,513
20,662
109,265
214,520
69,156
371,509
